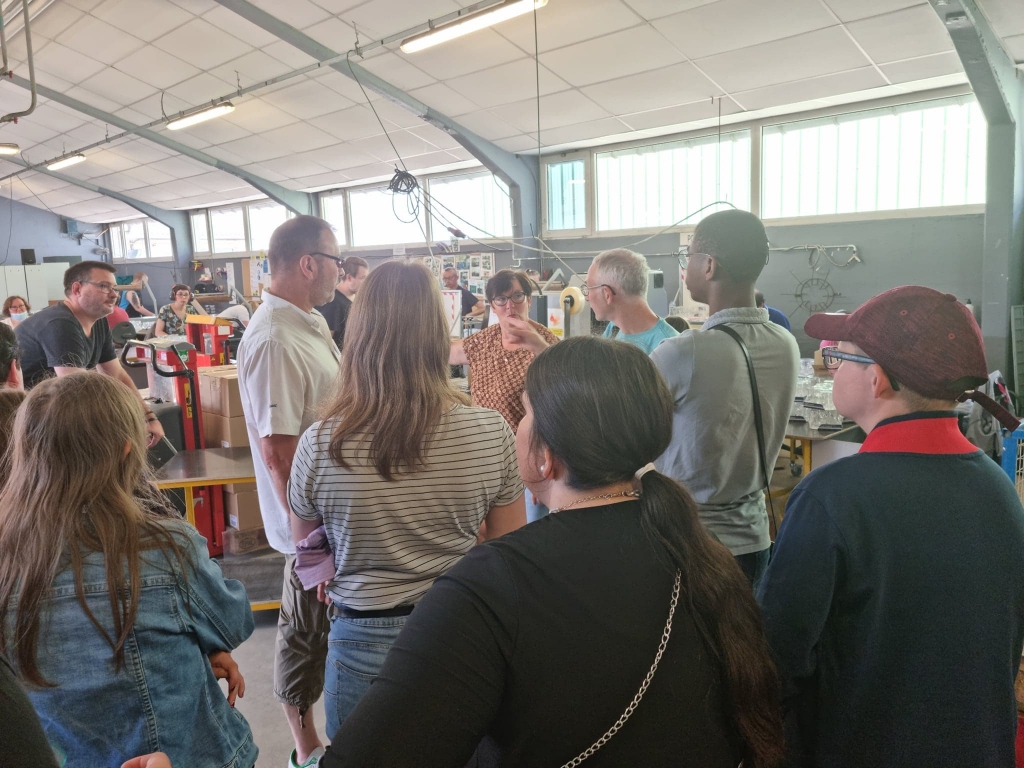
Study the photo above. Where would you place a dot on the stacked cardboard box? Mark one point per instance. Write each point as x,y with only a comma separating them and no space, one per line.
242,506
223,419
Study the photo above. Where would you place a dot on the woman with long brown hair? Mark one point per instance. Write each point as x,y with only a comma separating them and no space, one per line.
111,608
401,473
614,631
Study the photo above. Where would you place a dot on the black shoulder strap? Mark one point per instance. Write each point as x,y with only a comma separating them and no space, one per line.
758,423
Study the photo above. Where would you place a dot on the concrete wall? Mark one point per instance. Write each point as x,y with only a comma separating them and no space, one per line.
25,226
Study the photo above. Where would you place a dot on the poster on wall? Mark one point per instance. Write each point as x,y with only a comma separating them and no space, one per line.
556,316
452,301
259,274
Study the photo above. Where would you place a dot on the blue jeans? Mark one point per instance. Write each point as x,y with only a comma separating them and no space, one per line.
534,509
355,653
754,564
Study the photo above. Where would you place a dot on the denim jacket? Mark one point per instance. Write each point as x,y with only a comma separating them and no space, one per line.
165,697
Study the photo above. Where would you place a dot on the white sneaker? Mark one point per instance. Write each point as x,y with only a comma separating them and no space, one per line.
311,761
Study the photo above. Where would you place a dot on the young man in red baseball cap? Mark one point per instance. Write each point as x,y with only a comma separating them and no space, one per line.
894,602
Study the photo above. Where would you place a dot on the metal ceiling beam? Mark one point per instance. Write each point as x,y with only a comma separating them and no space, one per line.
299,202
1000,94
176,221
520,173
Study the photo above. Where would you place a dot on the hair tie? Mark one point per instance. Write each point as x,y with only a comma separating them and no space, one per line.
648,467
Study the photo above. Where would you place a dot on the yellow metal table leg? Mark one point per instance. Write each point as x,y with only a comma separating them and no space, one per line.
190,511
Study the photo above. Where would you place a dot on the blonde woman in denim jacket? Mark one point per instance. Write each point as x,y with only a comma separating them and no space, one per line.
113,613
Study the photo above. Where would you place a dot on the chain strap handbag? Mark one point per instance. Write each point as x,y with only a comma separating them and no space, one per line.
666,633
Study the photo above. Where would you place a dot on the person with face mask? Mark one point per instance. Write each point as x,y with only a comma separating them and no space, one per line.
15,310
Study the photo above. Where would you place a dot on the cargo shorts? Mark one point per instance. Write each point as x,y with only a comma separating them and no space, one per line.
301,651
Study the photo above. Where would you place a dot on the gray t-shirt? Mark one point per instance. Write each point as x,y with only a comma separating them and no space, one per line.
391,540
714,442
53,338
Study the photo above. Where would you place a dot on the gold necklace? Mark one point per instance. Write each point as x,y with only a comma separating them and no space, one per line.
634,494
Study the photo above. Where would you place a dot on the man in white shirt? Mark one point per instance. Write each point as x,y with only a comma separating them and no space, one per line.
287,366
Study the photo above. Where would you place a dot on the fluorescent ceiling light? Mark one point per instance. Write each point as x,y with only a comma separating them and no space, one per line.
64,162
476,21
201,116
9,149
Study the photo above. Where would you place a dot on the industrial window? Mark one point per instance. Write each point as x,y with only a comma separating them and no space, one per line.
911,156
160,246
381,218
264,218
567,195
134,239
661,185
228,227
477,204
116,242
200,233
332,208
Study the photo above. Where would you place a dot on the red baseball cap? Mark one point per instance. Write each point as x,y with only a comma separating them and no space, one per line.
923,338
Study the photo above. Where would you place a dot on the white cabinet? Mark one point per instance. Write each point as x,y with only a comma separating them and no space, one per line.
35,282
18,286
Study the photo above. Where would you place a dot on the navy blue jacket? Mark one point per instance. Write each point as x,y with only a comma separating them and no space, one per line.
777,317
894,604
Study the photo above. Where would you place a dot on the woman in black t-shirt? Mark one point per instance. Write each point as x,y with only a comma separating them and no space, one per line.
614,630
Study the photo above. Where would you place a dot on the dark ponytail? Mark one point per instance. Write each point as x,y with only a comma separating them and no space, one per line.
604,411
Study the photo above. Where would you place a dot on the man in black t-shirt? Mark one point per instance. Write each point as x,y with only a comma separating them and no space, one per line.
68,336
471,305
353,271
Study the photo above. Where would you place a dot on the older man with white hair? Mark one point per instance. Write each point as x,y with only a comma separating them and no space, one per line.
617,290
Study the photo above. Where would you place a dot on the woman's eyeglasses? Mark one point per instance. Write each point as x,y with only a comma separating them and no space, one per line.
516,298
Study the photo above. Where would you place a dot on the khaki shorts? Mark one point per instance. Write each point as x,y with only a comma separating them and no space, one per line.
301,653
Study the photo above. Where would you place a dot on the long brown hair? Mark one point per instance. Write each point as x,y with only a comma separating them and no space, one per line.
10,401
394,382
603,409
74,490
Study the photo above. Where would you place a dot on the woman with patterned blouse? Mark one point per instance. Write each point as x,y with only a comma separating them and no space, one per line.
499,355
171,319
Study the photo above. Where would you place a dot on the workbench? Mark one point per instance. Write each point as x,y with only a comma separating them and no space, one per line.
820,447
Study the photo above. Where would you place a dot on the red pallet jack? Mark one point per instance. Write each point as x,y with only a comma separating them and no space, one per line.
209,336
204,506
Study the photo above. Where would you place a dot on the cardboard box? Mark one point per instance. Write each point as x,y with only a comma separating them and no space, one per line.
243,510
218,391
243,542
220,432
239,487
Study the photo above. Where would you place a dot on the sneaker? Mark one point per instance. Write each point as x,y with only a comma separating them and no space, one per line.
311,761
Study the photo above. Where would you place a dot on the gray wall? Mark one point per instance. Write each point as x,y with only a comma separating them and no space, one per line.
24,226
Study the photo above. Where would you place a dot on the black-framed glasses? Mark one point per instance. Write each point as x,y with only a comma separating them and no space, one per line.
832,358
105,287
335,259
516,298
586,289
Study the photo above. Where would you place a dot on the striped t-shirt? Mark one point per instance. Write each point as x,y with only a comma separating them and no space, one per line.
392,539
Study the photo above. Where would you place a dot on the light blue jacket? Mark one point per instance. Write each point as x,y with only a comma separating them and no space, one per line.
165,697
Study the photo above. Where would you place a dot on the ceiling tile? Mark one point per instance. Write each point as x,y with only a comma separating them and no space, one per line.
159,69
227,20
371,172
338,6
264,172
105,161
288,54
140,151
396,115
851,10
94,99
199,89
781,61
226,155
506,83
902,35
294,166
196,7
568,21
52,82
1005,16
254,149
334,33
299,137
159,104
923,68
520,143
591,62
731,24
216,131
443,99
813,88
566,108
437,137
353,123
146,19
50,116
407,144
1015,47
188,139
217,181
256,115
397,71
489,126
132,116
66,64
89,132
117,86
179,167
609,126
253,67
321,180
99,40
202,44
180,189
677,84
55,20
118,182
655,9
307,99
480,50
298,13
384,19
430,160
343,84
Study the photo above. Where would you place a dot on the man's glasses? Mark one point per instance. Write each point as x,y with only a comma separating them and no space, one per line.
516,298
586,289
832,358
105,287
335,259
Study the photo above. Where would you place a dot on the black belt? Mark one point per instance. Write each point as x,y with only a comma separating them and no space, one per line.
384,613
